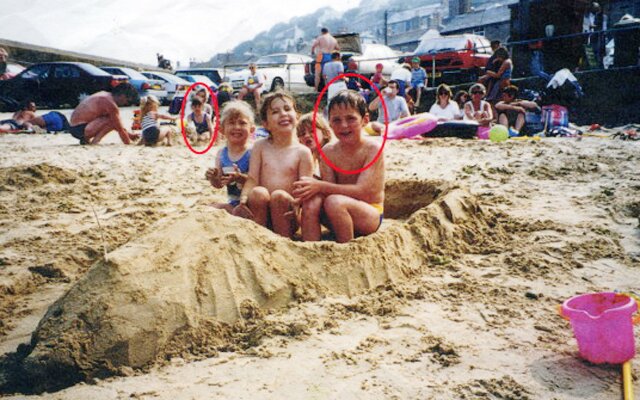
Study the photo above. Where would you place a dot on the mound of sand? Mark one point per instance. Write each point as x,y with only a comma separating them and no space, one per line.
206,269
33,176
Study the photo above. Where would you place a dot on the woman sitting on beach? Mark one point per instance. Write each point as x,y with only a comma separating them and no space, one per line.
477,109
461,98
305,137
444,108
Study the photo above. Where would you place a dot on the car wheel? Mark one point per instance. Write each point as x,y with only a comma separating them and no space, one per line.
278,83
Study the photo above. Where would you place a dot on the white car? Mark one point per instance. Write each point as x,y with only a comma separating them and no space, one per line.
283,70
174,85
372,54
201,79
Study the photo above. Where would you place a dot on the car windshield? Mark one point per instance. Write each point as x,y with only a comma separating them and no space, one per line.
271,60
133,74
435,45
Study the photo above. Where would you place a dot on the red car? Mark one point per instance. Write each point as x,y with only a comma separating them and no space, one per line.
458,59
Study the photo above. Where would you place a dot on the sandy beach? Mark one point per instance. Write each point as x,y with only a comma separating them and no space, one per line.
456,297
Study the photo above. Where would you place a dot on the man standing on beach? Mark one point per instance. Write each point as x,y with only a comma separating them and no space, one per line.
98,115
322,47
4,57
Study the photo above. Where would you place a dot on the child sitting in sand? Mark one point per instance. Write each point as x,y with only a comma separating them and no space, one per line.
352,203
202,129
152,133
276,163
232,161
305,137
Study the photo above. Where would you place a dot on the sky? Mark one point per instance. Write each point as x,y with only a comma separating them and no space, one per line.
135,30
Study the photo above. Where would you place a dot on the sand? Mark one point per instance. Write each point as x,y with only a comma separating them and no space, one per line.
454,298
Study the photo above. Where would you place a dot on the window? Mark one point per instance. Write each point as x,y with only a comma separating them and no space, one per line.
37,72
65,72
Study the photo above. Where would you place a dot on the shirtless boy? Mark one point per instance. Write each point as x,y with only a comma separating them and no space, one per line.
351,203
21,119
98,115
276,163
322,47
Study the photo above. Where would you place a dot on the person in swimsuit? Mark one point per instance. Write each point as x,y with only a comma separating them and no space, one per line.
201,122
511,112
322,47
232,161
350,203
21,120
98,114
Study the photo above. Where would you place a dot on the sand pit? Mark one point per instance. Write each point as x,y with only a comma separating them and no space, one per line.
455,298
197,272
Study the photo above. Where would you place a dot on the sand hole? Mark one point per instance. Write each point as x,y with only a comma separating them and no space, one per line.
403,197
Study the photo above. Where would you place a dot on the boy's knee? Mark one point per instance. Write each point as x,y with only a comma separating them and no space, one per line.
333,203
259,194
280,197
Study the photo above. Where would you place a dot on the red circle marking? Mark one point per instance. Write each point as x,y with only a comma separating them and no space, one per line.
315,116
216,112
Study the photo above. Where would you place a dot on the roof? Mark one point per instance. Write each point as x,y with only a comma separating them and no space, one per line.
493,14
400,16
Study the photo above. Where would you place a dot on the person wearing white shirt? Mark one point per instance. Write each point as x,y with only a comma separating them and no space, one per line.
396,107
445,108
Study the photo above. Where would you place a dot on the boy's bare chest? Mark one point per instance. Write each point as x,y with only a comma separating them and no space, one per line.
280,160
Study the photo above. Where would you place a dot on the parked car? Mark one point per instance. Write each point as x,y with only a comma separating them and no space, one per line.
13,69
55,84
458,58
145,86
283,70
365,56
212,73
174,85
202,79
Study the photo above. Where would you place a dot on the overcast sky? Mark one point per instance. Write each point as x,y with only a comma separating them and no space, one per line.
135,30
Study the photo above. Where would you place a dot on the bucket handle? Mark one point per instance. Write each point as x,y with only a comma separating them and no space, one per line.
635,319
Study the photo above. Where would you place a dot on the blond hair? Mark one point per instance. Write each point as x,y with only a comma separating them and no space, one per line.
236,109
147,103
306,123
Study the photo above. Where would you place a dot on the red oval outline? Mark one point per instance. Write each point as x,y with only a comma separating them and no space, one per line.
216,112
386,125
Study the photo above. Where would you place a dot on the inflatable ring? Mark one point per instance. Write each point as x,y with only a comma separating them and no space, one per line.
412,126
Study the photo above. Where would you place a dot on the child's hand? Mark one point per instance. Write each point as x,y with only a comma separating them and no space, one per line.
242,211
214,176
306,188
237,175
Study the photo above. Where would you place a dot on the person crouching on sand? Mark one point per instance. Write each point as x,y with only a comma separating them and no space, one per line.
98,114
152,133
276,163
305,137
232,161
351,203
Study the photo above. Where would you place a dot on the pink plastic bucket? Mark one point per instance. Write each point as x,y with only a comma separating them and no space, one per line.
603,326
483,132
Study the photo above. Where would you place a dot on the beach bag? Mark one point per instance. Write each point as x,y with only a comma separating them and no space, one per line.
554,115
176,105
533,122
